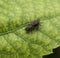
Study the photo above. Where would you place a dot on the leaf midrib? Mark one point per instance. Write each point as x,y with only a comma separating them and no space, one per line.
23,25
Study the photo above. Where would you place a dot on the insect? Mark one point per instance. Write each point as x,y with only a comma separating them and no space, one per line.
33,25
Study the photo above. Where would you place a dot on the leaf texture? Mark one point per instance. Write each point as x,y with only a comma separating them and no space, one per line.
15,15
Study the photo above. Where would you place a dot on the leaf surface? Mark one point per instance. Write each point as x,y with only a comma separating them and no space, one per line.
15,15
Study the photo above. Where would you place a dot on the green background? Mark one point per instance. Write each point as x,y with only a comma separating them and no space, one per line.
15,15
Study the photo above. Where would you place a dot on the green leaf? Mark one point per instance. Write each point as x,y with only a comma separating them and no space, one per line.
15,15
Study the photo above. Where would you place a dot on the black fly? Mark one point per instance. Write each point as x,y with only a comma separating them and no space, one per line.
33,25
